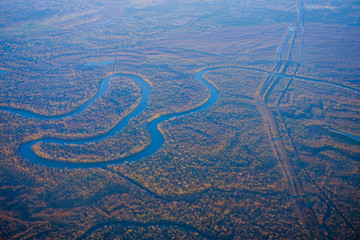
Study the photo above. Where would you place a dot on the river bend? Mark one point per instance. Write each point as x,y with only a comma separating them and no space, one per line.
157,139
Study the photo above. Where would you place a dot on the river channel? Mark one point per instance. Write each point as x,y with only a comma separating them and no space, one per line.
157,139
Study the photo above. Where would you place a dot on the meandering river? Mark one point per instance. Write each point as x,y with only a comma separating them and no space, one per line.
157,139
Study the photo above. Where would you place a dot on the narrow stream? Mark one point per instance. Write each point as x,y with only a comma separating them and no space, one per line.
352,136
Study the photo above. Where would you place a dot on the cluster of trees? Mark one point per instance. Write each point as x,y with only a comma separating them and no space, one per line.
211,149
50,93
327,160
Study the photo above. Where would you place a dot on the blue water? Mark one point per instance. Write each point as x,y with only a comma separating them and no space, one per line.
352,136
104,85
275,139
2,71
157,139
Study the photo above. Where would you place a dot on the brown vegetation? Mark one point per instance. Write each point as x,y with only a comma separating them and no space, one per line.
262,162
